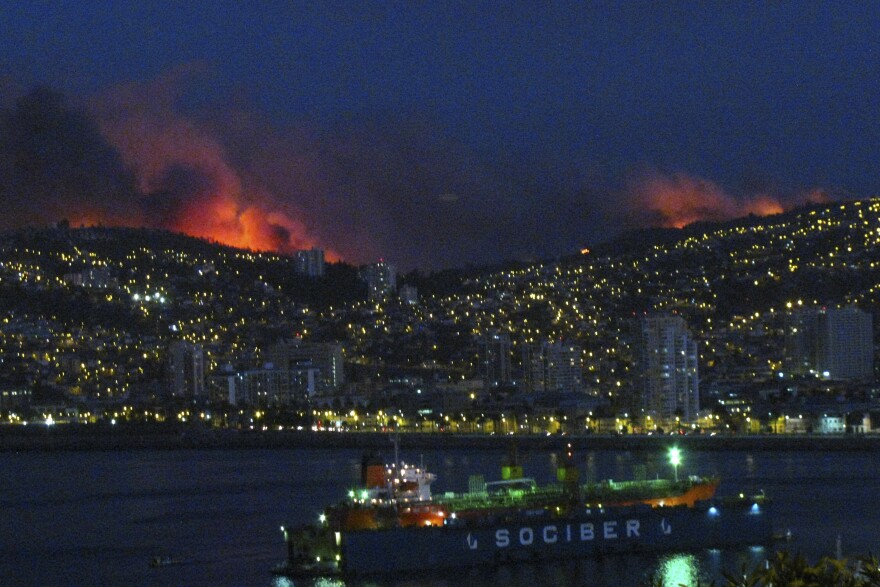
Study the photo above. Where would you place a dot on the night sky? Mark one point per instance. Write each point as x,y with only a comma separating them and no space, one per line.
432,134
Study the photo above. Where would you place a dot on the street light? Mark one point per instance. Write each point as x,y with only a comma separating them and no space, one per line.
675,459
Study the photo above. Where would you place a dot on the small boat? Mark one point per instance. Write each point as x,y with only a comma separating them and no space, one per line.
161,560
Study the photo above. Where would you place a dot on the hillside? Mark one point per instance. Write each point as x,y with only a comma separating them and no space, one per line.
113,298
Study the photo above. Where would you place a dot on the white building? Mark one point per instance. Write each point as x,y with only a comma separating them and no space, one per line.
668,369
845,345
553,367
831,424
833,343
381,279
495,363
409,294
308,367
310,262
185,369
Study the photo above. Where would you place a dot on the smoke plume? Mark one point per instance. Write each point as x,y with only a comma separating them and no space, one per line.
399,186
676,200
184,175
54,164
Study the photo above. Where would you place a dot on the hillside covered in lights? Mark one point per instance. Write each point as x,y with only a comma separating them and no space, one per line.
90,312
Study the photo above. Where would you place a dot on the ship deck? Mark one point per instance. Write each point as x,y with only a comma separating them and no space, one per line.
610,492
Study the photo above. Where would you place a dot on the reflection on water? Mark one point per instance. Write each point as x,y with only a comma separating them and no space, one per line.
705,568
682,569
678,569
750,466
317,582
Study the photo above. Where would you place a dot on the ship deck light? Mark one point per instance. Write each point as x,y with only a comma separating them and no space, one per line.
675,459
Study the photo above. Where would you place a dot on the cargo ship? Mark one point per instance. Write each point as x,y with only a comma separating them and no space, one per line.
393,523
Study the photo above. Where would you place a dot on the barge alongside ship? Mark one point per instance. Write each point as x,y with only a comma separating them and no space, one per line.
394,524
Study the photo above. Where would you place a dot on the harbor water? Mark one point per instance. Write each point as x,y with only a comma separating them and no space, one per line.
99,517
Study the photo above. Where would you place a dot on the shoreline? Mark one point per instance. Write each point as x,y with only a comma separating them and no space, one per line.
88,438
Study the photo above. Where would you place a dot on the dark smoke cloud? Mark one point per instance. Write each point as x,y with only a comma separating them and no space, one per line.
179,184
54,163
396,186
400,186
185,167
391,181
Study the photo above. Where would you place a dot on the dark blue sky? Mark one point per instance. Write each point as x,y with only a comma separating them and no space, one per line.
503,130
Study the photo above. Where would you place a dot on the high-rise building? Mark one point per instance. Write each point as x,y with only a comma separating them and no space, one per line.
845,345
495,364
668,369
186,369
553,366
834,343
254,387
381,279
309,262
309,367
409,294
534,366
801,336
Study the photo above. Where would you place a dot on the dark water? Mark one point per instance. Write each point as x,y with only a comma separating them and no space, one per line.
96,518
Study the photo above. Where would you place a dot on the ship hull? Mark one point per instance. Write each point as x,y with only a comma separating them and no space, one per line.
544,535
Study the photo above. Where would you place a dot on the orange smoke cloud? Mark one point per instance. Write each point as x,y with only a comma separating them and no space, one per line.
185,177
87,218
677,200
762,206
817,196
220,218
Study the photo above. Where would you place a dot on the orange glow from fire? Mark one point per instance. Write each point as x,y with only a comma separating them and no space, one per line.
211,198
679,200
763,206
221,219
